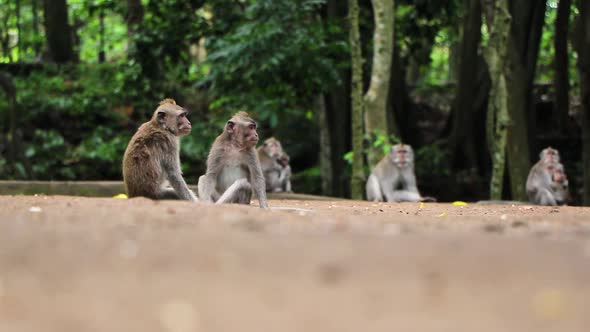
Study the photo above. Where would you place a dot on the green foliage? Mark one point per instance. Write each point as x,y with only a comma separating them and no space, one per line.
308,181
432,162
275,60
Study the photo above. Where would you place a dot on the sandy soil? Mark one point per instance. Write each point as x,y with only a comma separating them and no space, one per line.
96,264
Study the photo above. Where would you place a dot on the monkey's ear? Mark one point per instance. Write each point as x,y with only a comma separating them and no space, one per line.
230,126
161,116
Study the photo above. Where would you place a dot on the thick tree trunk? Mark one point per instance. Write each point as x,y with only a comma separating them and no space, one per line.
525,35
58,31
582,45
337,111
358,175
375,100
461,142
400,104
498,22
561,80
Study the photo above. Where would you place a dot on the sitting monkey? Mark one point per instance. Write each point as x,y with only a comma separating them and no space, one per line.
393,179
275,166
233,168
152,158
547,183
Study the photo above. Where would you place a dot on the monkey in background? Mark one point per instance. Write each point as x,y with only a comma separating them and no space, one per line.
393,178
233,168
152,157
275,165
547,182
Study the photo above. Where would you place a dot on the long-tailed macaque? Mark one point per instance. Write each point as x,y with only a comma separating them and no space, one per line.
152,156
233,168
547,183
275,166
393,179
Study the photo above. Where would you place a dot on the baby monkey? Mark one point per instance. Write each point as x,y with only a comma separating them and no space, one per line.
152,156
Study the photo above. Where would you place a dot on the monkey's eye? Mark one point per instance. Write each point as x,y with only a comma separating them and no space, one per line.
252,126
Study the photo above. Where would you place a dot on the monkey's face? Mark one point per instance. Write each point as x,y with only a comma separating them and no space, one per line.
242,130
550,155
401,155
173,118
183,124
273,148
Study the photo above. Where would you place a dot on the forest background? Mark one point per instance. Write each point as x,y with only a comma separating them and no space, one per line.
78,77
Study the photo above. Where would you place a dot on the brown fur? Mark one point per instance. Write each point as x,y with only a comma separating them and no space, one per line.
152,155
233,167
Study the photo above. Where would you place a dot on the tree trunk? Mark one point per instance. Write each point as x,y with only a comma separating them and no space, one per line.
326,167
400,104
498,22
582,45
462,143
134,17
524,38
375,100
58,31
358,174
337,108
561,80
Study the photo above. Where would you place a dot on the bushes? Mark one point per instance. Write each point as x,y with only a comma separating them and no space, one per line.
75,122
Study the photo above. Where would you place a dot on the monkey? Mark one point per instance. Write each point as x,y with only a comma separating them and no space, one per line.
285,174
272,160
233,169
560,185
547,183
393,178
152,157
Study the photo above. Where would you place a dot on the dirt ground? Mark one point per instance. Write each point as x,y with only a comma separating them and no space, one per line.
73,264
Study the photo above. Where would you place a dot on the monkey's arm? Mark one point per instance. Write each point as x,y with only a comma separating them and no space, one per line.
257,178
387,186
174,175
286,179
207,182
410,178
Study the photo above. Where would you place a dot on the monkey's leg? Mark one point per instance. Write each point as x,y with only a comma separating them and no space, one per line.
544,197
167,193
206,189
288,187
239,192
373,189
406,196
